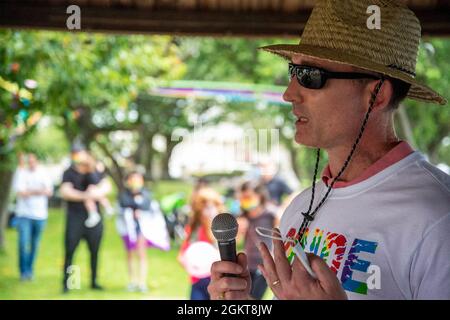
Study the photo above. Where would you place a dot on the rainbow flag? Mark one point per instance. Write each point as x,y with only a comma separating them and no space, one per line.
227,91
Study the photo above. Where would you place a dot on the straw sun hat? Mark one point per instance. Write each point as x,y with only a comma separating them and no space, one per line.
337,31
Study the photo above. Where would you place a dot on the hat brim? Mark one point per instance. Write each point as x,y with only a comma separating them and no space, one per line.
417,91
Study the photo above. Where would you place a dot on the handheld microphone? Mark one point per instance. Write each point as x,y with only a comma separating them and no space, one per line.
225,228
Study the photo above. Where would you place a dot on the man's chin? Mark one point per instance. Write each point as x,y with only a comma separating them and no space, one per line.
304,141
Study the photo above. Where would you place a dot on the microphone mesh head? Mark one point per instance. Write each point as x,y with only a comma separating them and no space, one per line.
224,227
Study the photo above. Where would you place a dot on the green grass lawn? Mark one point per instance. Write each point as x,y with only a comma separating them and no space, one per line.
166,278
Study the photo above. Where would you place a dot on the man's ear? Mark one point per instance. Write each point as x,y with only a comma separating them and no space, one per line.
384,95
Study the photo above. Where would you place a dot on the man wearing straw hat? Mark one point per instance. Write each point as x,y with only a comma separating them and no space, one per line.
376,225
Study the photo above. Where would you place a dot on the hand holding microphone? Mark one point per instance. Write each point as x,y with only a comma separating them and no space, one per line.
230,278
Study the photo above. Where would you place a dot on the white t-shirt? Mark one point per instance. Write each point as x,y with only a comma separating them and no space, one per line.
33,207
387,237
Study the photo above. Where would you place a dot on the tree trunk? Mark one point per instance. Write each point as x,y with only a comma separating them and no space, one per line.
82,130
145,153
148,163
6,177
115,170
166,157
140,151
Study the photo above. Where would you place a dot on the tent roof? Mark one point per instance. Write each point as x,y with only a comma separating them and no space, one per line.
194,17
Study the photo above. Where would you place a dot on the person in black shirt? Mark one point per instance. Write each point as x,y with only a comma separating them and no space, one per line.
76,180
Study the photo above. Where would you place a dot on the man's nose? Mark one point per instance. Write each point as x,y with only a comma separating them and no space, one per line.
292,92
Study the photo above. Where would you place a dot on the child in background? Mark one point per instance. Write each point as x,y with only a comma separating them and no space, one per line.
206,204
97,174
135,203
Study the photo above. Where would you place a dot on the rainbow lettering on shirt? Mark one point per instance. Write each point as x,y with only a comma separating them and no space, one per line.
317,239
353,263
339,241
334,244
288,245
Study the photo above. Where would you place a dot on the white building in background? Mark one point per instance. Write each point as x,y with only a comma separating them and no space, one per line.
227,147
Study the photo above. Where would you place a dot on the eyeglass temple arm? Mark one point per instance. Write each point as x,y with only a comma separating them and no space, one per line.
350,75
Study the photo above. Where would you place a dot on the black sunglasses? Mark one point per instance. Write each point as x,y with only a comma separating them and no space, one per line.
315,78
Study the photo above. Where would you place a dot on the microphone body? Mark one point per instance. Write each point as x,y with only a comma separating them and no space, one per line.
227,250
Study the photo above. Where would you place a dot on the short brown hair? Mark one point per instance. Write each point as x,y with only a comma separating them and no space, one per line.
399,91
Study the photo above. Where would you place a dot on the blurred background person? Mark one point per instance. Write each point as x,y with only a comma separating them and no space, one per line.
276,186
75,182
255,213
201,183
33,188
198,250
141,225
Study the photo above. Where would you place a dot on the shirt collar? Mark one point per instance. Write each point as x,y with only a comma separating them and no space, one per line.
400,151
